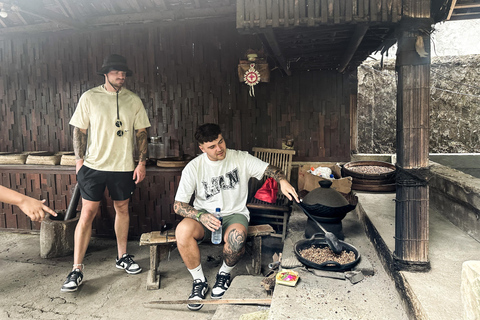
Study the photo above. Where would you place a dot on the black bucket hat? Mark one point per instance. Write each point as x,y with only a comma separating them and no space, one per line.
114,62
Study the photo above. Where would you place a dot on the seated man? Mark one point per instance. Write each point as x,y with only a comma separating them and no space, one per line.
219,179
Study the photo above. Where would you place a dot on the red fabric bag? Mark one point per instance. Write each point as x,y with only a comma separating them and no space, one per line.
268,192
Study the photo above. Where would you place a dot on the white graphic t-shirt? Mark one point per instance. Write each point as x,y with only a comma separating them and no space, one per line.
220,184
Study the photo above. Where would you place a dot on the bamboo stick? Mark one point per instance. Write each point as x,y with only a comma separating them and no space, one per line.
267,302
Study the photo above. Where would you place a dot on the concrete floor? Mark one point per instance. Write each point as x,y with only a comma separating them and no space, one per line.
30,285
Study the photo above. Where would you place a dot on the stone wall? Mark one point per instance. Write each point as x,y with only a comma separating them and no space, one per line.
454,105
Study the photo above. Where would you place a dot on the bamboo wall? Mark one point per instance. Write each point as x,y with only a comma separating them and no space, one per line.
186,75
151,206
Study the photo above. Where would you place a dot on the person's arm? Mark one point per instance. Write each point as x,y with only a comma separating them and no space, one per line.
79,146
287,189
140,171
187,211
33,208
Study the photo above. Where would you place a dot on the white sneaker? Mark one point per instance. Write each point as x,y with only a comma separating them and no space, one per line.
199,291
73,281
126,262
221,285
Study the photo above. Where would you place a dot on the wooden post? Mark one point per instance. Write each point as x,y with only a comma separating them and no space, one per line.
413,97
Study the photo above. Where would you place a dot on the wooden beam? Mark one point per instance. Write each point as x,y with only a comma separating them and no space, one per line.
135,5
465,5
353,45
21,18
225,13
67,6
33,9
452,7
465,16
271,41
170,15
63,8
161,4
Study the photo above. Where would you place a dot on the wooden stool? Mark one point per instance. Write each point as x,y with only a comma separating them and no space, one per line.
256,233
158,242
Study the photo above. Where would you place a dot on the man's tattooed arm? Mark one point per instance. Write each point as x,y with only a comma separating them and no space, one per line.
185,210
79,143
281,179
275,172
142,145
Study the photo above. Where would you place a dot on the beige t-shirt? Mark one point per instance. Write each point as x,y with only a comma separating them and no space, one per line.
97,112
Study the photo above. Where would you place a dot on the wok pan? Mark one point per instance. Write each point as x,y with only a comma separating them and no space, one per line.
319,241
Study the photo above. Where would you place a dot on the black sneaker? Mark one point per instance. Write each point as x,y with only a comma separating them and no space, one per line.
73,281
126,262
199,291
221,285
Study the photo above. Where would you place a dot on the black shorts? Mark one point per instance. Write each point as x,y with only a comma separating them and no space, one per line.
92,184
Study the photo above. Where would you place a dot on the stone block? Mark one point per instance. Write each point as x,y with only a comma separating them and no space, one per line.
470,290
57,235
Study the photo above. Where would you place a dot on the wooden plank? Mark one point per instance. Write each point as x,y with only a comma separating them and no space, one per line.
217,301
373,10
260,230
336,11
348,10
384,10
263,13
296,11
311,13
276,13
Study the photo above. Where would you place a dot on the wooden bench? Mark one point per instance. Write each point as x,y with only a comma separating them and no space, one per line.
161,242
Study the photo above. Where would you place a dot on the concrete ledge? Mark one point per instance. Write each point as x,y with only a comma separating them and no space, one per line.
456,195
471,290
410,302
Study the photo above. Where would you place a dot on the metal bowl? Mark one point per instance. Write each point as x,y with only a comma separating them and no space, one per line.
327,265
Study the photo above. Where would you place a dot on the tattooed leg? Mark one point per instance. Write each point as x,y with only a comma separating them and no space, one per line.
234,247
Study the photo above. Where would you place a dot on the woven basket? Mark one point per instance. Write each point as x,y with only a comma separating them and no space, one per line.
45,158
12,158
68,159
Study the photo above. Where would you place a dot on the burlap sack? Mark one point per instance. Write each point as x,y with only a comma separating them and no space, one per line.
308,181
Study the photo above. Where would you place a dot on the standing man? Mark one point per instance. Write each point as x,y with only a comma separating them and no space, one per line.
105,121
219,179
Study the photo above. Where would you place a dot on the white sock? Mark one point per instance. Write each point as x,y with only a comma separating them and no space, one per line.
225,268
197,273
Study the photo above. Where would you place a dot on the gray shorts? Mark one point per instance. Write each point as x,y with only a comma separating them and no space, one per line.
227,221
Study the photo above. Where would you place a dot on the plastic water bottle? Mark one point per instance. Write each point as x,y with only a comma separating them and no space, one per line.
217,234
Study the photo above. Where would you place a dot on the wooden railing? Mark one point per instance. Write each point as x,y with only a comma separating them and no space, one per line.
288,13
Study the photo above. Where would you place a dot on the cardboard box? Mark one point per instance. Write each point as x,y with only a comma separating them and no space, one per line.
308,181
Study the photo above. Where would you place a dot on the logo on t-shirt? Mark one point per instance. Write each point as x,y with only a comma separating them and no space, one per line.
226,182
